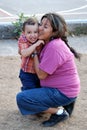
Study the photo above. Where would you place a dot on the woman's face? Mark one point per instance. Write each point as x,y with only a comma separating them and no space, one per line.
45,30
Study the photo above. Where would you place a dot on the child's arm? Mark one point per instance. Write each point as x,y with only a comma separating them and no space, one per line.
28,51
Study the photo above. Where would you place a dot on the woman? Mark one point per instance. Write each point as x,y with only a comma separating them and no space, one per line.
56,69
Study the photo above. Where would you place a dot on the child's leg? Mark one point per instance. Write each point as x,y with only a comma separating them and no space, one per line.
28,80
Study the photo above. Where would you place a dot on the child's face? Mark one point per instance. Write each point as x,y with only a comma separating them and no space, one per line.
31,33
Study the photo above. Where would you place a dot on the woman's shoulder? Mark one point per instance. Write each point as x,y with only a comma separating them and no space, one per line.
58,40
56,43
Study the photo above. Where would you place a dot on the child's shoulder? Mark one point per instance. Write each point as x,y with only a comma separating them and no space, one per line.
22,39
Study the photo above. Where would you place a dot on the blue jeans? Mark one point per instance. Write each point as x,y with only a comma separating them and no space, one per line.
40,99
28,80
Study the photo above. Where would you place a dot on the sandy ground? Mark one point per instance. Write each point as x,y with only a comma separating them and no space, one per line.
10,117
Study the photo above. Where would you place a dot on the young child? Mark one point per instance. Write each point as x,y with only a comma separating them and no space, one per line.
27,43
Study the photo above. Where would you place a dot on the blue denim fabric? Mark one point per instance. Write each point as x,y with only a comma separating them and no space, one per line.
40,99
28,80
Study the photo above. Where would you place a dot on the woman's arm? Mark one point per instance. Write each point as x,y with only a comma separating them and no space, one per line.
40,73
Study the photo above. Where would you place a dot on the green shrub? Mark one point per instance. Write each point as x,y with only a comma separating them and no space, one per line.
18,25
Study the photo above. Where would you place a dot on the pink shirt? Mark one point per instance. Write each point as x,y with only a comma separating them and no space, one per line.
57,60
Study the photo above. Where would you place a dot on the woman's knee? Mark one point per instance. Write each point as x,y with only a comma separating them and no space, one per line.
19,97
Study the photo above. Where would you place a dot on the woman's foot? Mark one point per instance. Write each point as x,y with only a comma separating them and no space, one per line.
39,114
69,108
54,119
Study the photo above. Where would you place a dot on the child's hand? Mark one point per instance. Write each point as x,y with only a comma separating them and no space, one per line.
39,45
39,42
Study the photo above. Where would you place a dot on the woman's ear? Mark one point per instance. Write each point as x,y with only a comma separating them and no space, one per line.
55,34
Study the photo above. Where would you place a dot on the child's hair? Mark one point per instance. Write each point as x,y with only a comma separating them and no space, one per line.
30,21
60,29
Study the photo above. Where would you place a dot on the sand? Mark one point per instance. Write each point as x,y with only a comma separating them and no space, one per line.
11,118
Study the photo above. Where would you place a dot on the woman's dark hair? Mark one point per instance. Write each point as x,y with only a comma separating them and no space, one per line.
60,29
29,21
